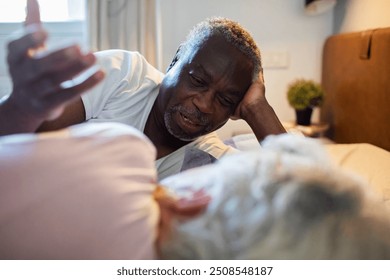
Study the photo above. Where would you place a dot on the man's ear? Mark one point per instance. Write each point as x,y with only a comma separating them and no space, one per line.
175,58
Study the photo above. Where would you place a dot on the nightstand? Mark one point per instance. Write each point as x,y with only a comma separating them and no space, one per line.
313,130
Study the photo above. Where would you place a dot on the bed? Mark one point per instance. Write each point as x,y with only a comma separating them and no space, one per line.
356,80
84,193
359,134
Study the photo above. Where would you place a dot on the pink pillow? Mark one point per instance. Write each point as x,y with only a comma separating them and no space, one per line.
80,193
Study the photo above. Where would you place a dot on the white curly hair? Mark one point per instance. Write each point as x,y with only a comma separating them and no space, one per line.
286,201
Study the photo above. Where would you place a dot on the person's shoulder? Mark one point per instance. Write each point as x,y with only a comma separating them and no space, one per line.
118,56
116,52
128,63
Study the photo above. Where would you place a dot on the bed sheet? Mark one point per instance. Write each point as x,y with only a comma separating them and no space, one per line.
367,161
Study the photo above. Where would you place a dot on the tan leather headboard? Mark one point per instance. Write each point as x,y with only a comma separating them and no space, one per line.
356,80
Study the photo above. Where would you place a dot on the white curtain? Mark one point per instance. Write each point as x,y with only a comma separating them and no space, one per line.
126,24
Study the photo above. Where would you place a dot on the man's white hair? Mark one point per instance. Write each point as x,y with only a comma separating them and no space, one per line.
231,31
286,201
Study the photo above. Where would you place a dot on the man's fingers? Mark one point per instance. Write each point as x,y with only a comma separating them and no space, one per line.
33,14
70,93
61,65
48,100
55,101
58,66
34,38
190,207
18,49
184,207
68,69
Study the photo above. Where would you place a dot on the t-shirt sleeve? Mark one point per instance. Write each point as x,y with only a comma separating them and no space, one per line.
125,71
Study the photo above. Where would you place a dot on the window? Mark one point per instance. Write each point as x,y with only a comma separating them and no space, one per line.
63,19
51,10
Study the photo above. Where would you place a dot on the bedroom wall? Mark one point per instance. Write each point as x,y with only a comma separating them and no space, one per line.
290,40
357,15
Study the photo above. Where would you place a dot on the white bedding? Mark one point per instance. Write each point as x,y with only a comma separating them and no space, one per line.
365,160
368,161
55,203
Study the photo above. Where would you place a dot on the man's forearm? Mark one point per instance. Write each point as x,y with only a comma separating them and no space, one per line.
264,121
14,120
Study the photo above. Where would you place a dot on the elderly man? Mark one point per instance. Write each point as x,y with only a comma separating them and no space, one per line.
215,75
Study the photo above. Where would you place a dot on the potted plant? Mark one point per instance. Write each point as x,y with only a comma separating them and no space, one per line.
303,95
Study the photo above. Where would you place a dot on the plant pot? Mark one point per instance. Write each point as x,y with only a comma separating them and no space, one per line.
304,116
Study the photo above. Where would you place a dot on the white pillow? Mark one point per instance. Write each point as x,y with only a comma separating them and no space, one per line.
80,193
368,161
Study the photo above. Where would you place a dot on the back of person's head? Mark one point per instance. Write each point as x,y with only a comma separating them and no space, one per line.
280,203
231,31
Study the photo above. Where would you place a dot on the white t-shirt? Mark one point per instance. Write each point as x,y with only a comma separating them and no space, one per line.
127,95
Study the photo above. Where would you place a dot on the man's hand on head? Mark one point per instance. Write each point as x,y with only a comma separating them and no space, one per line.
253,99
257,112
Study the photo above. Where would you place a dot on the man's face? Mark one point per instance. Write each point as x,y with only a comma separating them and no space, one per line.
202,90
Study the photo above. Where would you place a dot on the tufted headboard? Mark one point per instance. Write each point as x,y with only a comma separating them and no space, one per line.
356,79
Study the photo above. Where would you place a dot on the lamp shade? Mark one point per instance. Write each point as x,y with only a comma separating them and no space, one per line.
316,7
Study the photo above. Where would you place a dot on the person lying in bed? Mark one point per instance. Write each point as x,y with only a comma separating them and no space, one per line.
91,192
283,202
215,75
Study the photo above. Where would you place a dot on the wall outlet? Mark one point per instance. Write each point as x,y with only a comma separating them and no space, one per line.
275,59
